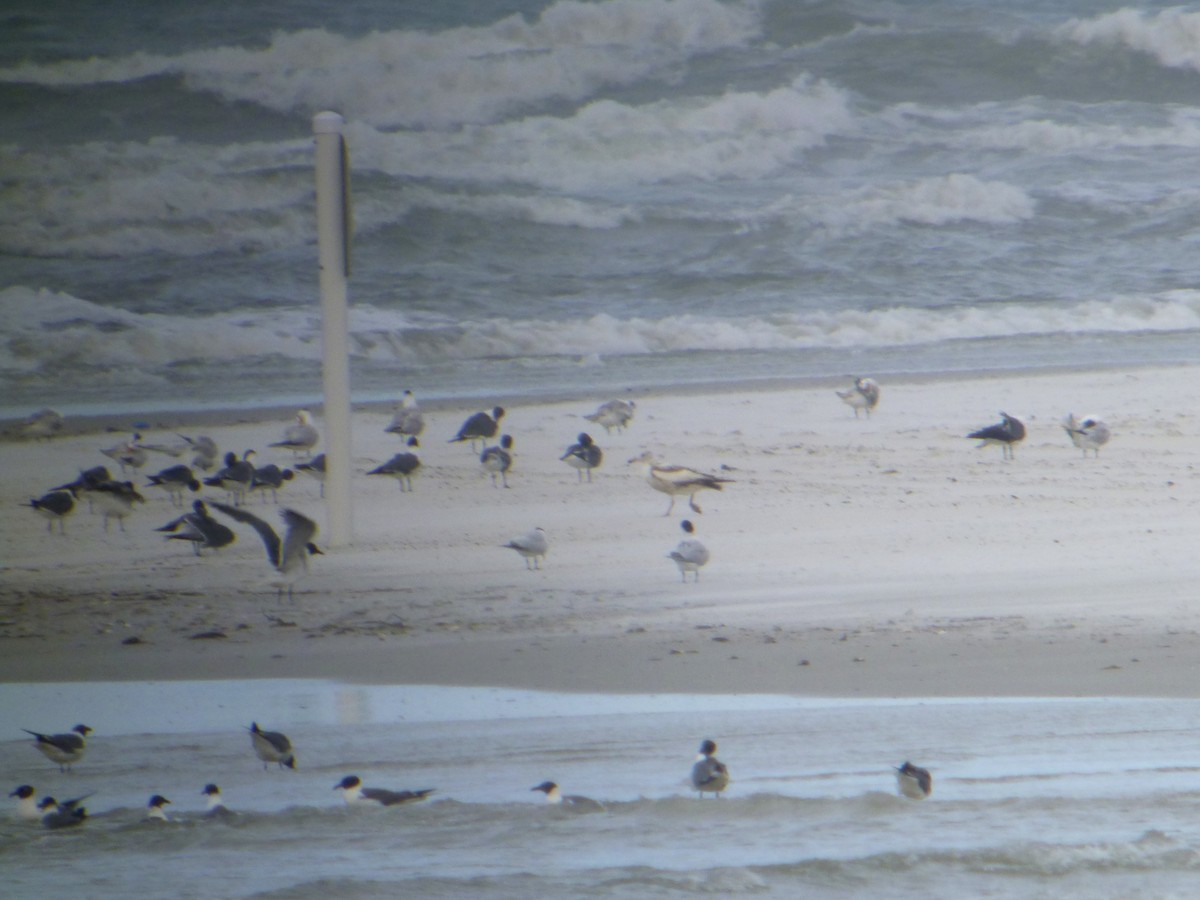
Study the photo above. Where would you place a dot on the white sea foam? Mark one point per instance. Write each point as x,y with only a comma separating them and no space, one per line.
1171,36
460,75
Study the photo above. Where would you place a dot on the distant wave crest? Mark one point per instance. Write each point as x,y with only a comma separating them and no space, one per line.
1171,36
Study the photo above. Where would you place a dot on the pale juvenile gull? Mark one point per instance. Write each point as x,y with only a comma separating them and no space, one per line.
913,781
709,774
1006,433
204,451
864,395
54,507
301,437
403,466
498,460
63,749
571,801
689,554
288,556
583,455
407,419
532,546
479,428
355,794
272,747
128,454
677,481
202,530
613,414
1088,433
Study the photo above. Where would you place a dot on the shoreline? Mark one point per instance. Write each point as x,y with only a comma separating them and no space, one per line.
881,557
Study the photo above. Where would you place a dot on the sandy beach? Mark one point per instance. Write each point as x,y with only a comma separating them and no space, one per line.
882,557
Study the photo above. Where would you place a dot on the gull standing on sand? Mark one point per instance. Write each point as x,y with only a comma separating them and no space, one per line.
1090,433
204,451
54,507
63,749
175,480
533,546
864,395
45,423
205,532
355,794
913,781
403,466
301,437
62,815
154,809
677,480
316,469
129,454
709,774
407,419
235,478
498,460
272,747
1007,433
115,500
689,554
270,478
289,556
583,456
613,414
571,801
27,804
479,428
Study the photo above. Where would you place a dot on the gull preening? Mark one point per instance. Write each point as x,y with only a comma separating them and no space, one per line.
864,395
498,460
204,451
913,781
1006,433
54,507
175,480
677,481
63,815
613,414
63,749
235,477
479,428
709,774
115,500
532,546
689,554
272,747
288,555
355,794
129,454
202,530
1088,433
270,478
403,466
571,801
407,419
301,437
583,455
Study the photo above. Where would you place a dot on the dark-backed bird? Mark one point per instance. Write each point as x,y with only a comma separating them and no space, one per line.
269,479
1008,432
54,507
288,555
407,418
583,455
202,530
677,481
570,801
63,749
85,484
62,815
864,395
403,466
355,794
235,477
689,554
175,480
498,460
314,468
613,414
272,747
479,428
913,781
709,774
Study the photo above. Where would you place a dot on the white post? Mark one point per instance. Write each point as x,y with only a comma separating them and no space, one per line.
333,244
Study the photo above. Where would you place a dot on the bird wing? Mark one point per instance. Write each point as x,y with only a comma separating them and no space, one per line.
392,798
300,532
269,538
683,477
68,743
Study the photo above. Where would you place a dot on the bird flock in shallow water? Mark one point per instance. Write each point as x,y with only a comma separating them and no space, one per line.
708,776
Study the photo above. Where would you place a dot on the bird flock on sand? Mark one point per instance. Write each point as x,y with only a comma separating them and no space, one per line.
290,544
709,776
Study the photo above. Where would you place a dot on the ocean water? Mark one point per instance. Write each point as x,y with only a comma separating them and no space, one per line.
587,197
1032,798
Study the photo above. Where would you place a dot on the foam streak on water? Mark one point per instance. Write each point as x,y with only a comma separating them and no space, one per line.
1031,797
